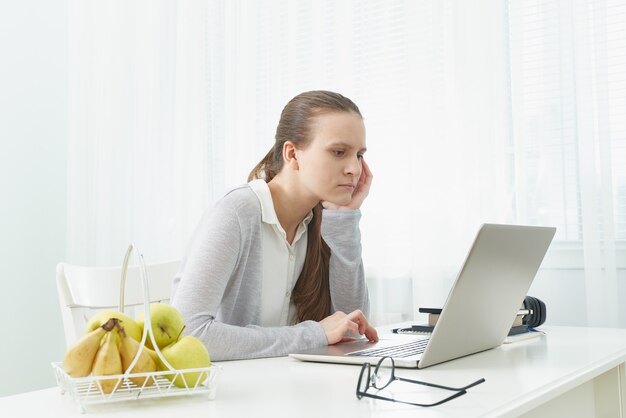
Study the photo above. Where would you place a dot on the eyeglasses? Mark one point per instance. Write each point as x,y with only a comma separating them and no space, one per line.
384,374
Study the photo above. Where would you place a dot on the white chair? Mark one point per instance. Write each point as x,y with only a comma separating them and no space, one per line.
85,291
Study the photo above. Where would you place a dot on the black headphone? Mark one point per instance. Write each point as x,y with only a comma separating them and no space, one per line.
538,314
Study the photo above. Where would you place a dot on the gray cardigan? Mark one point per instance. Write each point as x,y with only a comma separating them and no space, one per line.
217,289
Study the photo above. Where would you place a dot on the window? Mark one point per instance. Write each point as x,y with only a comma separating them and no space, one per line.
568,84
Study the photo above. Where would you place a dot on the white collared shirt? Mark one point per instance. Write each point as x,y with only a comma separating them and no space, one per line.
282,262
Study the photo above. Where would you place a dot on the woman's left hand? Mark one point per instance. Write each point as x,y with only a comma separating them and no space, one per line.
361,191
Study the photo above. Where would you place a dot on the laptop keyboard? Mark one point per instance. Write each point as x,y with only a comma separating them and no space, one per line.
403,350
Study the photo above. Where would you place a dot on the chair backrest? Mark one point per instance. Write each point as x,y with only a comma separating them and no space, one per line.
85,291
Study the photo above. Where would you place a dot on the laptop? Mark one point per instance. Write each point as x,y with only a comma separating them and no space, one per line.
478,313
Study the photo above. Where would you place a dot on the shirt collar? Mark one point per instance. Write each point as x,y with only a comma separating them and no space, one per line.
268,213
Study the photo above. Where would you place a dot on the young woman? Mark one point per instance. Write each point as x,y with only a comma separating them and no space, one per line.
275,266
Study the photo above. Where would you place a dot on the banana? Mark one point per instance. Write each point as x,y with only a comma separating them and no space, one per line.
128,350
79,358
107,362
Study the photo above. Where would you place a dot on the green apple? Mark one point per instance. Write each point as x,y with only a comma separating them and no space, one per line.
131,327
167,324
187,353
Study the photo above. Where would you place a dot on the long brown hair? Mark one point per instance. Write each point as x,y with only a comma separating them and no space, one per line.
311,294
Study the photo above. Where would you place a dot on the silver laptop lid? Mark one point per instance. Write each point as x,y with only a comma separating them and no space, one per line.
488,291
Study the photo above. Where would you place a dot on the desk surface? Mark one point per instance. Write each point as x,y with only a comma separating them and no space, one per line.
519,377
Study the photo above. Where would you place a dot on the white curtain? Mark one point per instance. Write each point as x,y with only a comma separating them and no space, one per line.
139,165
488,111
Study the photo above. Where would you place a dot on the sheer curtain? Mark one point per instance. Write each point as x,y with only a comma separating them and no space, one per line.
139,163
492,111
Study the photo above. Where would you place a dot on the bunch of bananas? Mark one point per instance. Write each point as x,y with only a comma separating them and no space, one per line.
102,352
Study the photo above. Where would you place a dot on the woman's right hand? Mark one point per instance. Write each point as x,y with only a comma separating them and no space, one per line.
337,325
361,191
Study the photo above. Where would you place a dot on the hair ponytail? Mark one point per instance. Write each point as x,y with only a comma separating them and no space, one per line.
264,169
311,294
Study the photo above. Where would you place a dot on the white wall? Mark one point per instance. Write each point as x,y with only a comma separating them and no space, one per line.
33,131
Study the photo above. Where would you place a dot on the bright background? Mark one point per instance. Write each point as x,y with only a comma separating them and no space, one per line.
123,120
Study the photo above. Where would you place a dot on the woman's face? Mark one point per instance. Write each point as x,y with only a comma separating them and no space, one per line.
330,165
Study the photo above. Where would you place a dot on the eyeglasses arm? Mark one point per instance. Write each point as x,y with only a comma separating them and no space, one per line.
433,385
383,398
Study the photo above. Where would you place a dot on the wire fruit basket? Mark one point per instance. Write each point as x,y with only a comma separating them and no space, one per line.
88,390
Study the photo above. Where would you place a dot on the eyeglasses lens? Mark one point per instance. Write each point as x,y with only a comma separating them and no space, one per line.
383,374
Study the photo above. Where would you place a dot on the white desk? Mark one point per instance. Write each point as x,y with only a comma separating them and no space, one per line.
573,372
